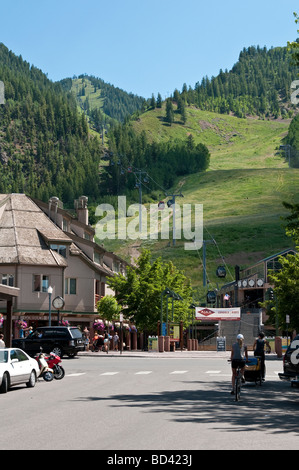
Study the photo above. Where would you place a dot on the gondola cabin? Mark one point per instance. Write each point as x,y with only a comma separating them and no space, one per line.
221,271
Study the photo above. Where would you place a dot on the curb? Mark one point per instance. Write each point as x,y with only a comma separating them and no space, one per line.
155,354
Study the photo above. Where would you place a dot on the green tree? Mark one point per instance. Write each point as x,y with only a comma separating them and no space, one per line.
108,308
159,101
294,46
153,102
169,112
140,291
286,281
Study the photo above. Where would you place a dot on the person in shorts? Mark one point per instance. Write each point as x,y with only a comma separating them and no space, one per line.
239,356
259,350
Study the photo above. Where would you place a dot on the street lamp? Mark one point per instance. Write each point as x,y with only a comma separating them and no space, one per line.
169,293
50,291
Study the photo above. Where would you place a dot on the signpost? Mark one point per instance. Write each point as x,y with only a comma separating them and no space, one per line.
287,323
121,319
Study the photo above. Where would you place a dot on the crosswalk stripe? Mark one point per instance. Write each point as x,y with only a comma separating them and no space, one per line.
110,373
76,375
143,372
179,372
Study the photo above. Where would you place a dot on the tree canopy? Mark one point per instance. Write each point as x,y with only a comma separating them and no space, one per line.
286,280
140,291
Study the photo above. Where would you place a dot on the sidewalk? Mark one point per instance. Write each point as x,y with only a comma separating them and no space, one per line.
155,354
178,354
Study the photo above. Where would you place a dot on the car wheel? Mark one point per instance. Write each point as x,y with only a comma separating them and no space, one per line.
5,383
58,351
32,379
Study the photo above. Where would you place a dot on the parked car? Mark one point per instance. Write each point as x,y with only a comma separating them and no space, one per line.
58,339
291,363
16,367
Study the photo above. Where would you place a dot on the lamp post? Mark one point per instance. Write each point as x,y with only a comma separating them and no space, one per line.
167,292
50,291
121,318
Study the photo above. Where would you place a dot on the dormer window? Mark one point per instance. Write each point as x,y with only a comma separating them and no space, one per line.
61,249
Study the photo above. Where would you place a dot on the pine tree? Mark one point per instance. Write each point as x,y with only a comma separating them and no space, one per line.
153,102
169,112
159,101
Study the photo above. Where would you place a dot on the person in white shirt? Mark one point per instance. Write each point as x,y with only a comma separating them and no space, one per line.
2,344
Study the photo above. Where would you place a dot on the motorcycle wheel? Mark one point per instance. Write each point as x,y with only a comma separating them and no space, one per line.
59,373
48,376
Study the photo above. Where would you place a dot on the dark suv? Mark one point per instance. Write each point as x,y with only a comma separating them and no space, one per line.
291,362
59,339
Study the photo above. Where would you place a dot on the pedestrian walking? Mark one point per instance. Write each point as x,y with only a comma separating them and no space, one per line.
95,342
2,344
259,350
107,338
86,338
115,342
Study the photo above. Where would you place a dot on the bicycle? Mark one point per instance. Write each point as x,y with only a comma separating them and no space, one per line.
238,382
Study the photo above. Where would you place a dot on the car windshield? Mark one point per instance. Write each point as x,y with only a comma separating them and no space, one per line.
76,333
3,356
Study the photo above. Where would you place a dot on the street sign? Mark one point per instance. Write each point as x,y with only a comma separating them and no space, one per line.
221,343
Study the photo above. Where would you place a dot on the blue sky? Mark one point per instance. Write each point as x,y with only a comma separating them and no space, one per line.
142,46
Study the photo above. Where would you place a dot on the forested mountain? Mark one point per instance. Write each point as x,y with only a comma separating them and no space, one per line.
134,159
45,146
258,84
105,104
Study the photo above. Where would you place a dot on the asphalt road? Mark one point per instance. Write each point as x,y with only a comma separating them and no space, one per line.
113,402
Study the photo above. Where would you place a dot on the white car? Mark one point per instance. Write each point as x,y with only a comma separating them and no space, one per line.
16,367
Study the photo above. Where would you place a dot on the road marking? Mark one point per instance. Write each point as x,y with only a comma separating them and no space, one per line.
143,372
213,371
110,373
76,375
179,372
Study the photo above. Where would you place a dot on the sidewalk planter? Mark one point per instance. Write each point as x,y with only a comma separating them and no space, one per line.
166,343
161,343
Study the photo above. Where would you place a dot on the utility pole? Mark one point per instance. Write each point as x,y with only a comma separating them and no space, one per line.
171,203
204,278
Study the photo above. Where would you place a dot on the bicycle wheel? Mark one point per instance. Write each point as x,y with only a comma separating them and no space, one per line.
237,388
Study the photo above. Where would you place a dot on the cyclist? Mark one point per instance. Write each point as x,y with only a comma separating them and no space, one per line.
239,356
259,350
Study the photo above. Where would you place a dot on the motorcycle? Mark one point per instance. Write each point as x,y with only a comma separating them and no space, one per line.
53,362
45,371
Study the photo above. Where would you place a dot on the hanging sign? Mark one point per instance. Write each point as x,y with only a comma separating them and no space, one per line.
212,314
